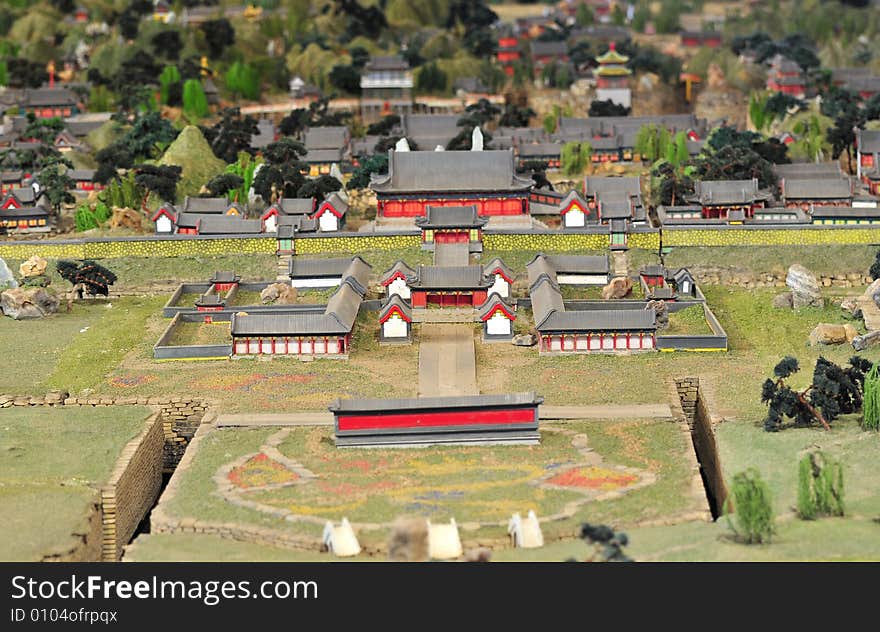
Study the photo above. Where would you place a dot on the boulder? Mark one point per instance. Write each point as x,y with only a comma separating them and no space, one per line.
828,334
852,307
860,343
783,301
25,303
6,278
662,313
33,267
619,287
804,287
525,340
279,294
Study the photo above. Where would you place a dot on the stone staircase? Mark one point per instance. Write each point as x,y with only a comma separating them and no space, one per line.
619,263
283,272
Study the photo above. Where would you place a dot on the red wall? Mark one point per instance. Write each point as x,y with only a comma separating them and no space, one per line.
437,419
486,206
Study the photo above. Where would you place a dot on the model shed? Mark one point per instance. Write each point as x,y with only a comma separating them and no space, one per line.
327,273
395,321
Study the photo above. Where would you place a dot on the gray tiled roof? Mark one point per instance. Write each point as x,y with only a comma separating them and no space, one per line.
202,205
399,266
498,264
416,403
546,300
306,268
817,189
450,277
413,171
615,207
40,97
725,191
24,211
396,301
225,276
493,302
295,206
600,320
286,324
541,48
81,174
330,137
451,217
536,150
868,141
387,62
844,212
343,306
807,170
228,225
429,130
324,155
603,185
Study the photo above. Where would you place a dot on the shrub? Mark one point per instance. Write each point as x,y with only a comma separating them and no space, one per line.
820,486
85,219
753,508
871,402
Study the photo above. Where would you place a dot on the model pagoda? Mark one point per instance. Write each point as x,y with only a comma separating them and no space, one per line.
612,78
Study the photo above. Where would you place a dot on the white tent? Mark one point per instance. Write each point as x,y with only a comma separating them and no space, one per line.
341,540
443,541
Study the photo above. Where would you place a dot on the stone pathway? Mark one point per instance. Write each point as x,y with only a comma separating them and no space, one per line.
452,255
447,362
619,263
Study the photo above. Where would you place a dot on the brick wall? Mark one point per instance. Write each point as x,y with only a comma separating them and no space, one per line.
132,489
815,236
347,244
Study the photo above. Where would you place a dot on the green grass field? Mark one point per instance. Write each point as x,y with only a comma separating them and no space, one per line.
54,460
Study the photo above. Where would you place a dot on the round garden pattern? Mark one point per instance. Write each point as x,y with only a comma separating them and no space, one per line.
300,475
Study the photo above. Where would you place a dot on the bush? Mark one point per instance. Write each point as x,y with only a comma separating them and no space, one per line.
820,486
85,219
753,508
871,402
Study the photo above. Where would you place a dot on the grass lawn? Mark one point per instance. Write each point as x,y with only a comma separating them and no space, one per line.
191,547
828,259
54,461
759,336
200,333
473,484
690,321
855,536
145,271
276,384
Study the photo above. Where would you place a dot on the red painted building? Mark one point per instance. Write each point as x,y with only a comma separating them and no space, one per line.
418,179
449,286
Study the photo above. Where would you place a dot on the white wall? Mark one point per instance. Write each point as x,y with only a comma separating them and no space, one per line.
326,283
328,222
163,224
575,218
500,287
498,325
394,327
270,225
398,286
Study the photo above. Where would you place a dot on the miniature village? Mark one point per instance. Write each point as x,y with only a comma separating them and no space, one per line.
318,280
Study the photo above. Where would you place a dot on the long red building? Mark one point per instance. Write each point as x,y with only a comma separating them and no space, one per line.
418,179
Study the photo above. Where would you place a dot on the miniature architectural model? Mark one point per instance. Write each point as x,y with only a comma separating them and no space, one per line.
443,541
386,88
451,225
340,540
419,179
525,534
395,321
612,78
396,279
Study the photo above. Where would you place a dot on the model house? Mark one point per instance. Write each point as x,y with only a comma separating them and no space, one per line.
497,317
386,88
284,208
395,321
452,225
212,206
501,276
327,273
570,269
429,131
396,280
330,215
25,219
719,198
868,162
449,286
418,179
326,146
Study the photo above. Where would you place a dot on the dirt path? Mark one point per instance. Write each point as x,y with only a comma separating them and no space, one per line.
447,363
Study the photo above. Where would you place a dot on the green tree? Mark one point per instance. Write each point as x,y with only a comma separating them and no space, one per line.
169,77
431,78
758,114
812,138
652,142
641,18
753,507
668,20
243,80
360,177
195,103
56,184
4,73
575,156
584,15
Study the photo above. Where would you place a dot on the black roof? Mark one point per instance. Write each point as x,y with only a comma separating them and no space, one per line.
868,141
398,266
414,171
228,225
450,217
603,185
493,302
600,320
817,189
399,303
330,137
294,206
40,97
429,130
225,276
24,212
216,205
387,62
335,267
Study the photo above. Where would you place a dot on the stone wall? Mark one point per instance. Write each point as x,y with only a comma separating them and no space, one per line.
154,246
558,242
709,275
778,236
353,244
701,422
132,489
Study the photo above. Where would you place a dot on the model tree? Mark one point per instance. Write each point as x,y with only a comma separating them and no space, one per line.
157,179
85,276
231,135
42,130
820,486
221,185
218,35
360,177
607,544
833,391
575,156
283,174
195,103
56,185
753,506
871,403
319,187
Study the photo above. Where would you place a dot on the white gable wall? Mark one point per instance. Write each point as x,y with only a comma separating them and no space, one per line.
498,325
394,327
163,224
575,218
398,286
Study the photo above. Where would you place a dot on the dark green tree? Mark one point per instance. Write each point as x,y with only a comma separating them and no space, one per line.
360,177
218,35
319,187
231,134
221,185
607,108
158,179
90,276
56,185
